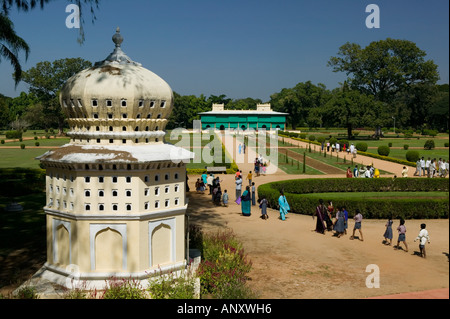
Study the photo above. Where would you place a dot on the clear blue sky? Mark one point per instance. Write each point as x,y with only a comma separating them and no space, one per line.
240,48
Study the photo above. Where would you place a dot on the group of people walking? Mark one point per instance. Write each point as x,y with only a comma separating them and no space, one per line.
339,224
431,167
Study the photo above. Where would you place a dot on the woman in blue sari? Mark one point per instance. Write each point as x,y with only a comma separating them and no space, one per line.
284,206
246,204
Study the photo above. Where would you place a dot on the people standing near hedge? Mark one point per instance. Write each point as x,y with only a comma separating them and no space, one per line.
401,235
263,206
356,171
422,165
423,238
427,166
388,232
246,207
339,226
238,183
418,168
225,198
349,172
321,211
253,189
405,171
284,206
327,217
209,182
358,221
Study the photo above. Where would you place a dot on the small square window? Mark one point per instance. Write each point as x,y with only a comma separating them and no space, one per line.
87,206
108,102
146,178
123,103
115,207
156,191
115,193
95,115
166,189
156,177
146,205
177,201
141,103
175,176
152,104
87,193
146,192
101,207
176,188
157,204
166,203
128,192
167,176
163,104
101,193
128,178
94,103
87,179
110,116
128,206
101,179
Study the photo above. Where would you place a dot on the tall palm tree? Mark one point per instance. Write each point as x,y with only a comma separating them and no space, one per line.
10,46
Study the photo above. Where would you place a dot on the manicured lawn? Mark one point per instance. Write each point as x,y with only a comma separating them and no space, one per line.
42,142
17,157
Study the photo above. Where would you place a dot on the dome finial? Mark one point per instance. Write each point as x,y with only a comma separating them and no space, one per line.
117,38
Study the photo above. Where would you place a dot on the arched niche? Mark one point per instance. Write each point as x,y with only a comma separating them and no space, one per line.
161,233
105,241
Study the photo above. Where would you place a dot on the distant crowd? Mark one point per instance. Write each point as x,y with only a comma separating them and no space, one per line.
432,168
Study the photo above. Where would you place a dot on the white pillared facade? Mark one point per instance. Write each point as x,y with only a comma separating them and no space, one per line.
116,198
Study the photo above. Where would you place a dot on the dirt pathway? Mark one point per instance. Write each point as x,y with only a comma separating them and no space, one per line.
291,261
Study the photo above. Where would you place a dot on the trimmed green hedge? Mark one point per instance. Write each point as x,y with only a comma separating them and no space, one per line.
370,208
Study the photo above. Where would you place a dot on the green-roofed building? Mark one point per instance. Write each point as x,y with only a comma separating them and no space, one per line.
261,118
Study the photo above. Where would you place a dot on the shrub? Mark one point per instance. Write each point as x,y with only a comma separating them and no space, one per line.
429,144
390,144
36,144
412,156
361,146
302,135
28,292
296,193
321,139
312,138
384,150
169,286
2,141
22,146
124,289
332,140
405,147
224,267
13,134
35,138
446,144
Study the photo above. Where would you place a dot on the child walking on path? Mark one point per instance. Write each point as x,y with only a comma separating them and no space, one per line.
358,219
225,198
401,235
388,233
263,206
423,238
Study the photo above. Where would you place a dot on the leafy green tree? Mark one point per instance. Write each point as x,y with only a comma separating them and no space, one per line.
350,109
299,101
47,78
392,71
10,46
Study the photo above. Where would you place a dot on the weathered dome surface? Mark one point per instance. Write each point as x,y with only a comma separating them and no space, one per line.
116,101
117,111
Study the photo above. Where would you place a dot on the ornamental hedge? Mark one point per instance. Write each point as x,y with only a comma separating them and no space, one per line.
407,208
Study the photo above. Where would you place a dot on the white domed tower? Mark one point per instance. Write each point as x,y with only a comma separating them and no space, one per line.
116,199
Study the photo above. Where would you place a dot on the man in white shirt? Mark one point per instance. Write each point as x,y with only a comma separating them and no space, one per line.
427,166
422,165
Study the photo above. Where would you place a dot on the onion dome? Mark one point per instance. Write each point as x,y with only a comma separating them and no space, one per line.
117,101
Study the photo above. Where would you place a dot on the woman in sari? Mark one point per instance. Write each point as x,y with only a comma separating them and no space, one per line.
246,204
284,206
320,211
